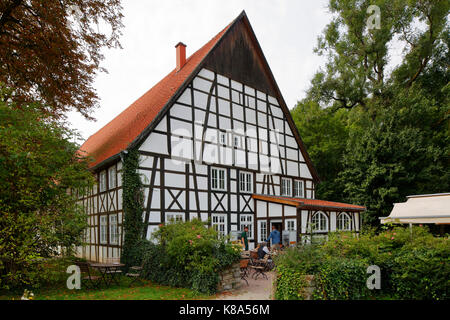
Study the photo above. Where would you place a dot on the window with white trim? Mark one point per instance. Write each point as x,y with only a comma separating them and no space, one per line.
344,222
218,177
112,181
174,217
298,188
219,223
247,221
286,187
245,182
113,230
290,225
262,232
222,138
103,229
102,181
319,222
237,141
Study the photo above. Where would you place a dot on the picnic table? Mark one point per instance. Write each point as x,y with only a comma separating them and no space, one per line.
108,271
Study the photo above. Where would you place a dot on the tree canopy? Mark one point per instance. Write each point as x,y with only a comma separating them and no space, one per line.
376,131
50,50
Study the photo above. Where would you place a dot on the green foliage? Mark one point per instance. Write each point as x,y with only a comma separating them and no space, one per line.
413,264
188,254
325,133
133,207
38,166
377,134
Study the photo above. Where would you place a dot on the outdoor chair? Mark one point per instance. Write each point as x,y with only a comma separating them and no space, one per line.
244,269
260,267
135,273
94,281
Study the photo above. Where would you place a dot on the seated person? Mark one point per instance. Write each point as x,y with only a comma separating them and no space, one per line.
262,250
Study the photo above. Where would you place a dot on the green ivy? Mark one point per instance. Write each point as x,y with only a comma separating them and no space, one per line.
133,207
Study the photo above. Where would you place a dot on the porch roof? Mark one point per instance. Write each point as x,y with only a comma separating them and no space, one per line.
310,203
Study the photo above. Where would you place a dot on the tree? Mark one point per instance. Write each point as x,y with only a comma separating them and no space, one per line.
38,165
397,140
358,57
50,50
325,134
403,152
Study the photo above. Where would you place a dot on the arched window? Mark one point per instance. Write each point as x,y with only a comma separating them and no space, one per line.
344,222
320,222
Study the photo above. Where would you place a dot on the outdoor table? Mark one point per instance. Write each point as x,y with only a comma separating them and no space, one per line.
108,270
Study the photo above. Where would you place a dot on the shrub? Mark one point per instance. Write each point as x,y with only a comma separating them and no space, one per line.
413,264
188,254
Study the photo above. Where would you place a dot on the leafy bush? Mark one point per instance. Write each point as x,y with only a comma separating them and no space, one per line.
413,264
188,254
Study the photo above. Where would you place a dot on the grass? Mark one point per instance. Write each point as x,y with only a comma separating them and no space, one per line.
55,289
144,290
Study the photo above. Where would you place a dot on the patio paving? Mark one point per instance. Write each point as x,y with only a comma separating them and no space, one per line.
260,289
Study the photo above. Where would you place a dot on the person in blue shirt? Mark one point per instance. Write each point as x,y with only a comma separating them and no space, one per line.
276,238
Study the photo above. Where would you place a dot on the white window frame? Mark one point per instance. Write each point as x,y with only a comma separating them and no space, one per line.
102,181
174,217
237,141
104,229
286,187
291,225
245,182
112,177
113,229
318,224
219,223
216,179
262,230
341,219
246,220
298,185
222,138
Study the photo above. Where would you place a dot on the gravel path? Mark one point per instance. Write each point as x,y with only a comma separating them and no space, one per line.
260,289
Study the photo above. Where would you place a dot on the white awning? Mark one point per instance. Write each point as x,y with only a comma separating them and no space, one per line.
432,208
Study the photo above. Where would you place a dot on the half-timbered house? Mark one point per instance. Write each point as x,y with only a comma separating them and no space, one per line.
216,142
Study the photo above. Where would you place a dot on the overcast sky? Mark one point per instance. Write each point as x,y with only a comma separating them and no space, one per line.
287,31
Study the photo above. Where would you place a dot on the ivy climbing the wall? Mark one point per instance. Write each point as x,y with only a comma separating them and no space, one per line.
133,207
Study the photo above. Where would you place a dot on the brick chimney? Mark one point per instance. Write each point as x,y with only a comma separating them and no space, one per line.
181,55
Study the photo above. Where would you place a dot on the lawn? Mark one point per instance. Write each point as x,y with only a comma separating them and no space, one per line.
139,291
55,288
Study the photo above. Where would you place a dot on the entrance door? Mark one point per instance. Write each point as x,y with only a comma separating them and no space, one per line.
279,225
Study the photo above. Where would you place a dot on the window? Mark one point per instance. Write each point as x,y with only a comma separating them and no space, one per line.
285,187
320,222
218,179
245,182
247,221
237,141
174,217
113,230
344,222
103,229
219,223
290,225
112,181
222,138
102,182
298,188
262,230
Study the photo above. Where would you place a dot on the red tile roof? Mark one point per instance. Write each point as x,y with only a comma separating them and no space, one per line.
126,127
309,203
